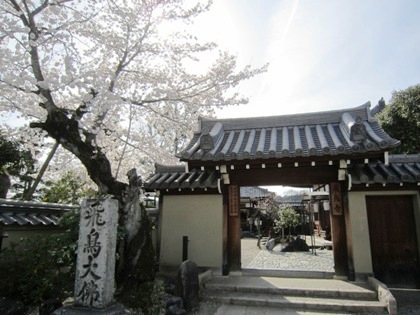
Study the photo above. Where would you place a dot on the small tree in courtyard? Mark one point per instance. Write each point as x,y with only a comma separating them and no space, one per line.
268,207
288,218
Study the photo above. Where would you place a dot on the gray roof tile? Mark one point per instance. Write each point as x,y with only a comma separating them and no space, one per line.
31,213
323,133
253,191
172,178
400,170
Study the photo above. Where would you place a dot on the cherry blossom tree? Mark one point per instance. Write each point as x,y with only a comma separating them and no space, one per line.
118,83
122,77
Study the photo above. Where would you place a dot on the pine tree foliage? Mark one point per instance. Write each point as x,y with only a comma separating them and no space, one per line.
14,159
401,119
17,162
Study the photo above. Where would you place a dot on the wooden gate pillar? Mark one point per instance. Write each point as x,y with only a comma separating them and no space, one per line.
338,230
350,261
234,228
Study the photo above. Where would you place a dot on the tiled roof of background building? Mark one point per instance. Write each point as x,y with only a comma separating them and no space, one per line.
31,213
402,169
176,177
314,134
254,191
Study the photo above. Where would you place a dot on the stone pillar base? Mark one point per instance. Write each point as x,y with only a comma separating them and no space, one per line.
114,309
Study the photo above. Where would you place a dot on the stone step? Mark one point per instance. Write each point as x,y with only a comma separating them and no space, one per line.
239,309
287,273
308,295
305,303
324,288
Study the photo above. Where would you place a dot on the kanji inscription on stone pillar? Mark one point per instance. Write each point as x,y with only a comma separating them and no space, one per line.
94,284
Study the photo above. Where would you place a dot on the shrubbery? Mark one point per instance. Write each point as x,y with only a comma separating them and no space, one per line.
287,218
41,267
148,298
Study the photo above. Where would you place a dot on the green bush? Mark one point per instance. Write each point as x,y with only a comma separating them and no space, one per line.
69,189
287,218
148,297
41,267
142,291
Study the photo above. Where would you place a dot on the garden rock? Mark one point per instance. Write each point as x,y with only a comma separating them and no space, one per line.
170,286
49,306
188,285
271,244
174,306
298,245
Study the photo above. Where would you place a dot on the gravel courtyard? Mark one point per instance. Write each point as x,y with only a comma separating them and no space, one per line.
255,258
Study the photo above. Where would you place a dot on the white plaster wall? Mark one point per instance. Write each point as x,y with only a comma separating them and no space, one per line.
360,230
200,217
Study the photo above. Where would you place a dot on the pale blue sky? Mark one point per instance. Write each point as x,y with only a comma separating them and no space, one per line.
323,54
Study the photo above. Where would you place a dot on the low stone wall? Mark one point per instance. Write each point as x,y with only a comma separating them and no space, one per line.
384,295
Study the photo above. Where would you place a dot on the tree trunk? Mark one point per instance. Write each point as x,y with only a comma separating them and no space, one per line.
259,233
4,185
29,194
137,258
137,255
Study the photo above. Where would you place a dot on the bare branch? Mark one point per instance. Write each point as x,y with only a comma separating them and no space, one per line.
130,121
19,88
22,15
42,7
148,108
145,152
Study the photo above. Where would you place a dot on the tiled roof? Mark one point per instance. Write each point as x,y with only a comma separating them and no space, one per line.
402,169
31,213
323,133
378,108
177,178
252,192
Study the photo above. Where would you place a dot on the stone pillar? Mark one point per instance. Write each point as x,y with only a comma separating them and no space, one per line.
94,284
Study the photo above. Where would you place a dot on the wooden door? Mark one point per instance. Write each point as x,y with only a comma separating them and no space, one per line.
393,240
